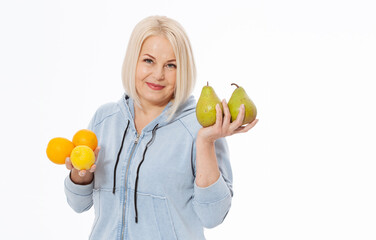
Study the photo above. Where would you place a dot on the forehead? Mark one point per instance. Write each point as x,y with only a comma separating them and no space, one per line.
158,46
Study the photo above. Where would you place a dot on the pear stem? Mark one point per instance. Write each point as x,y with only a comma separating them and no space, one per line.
207,83
234,84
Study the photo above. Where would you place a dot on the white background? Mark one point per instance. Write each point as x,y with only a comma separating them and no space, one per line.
306,171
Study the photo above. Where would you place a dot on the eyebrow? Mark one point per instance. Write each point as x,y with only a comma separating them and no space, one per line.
172,60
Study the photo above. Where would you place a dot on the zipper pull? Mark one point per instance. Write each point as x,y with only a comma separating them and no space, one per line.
136,141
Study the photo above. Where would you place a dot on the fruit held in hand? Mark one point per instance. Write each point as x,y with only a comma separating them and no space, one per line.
205,108
58,149
85,137
239,97
80,150
82,157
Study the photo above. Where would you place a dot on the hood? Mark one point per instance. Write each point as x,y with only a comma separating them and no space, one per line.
126,105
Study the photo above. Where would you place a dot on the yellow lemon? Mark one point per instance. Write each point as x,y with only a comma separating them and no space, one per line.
82,157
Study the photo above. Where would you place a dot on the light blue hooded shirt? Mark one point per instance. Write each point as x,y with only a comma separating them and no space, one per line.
159,164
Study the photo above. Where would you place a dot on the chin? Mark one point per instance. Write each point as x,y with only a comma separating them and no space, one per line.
160,101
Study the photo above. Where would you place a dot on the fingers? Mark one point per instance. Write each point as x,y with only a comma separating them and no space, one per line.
239,119
227,117
96,151
243,129
94,166
68,163
218,121
92,169
81,173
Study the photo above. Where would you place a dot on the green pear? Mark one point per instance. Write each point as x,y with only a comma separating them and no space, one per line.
239,97
205,108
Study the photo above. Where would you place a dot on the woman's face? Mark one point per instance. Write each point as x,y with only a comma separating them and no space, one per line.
156,72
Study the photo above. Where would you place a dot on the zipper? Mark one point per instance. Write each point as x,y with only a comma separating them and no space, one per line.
126,180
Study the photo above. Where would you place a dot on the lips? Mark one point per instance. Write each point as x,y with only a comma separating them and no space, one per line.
155,86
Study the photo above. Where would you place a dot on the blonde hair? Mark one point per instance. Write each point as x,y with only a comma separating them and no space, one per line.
186,69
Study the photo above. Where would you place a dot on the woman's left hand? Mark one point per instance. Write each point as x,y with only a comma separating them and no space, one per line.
223,127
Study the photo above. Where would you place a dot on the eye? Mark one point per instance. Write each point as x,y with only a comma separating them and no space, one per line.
148,60
171,66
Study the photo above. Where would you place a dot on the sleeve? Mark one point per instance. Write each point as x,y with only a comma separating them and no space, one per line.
212,203
79,197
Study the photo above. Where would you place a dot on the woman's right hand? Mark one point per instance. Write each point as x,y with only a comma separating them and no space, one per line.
82,177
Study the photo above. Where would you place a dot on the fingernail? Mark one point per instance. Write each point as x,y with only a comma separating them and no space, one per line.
81,173
67,159
243,106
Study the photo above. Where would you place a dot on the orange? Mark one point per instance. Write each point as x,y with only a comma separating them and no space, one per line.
85,137
58,149
82,157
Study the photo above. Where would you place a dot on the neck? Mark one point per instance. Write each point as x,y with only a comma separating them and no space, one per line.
149,109
148,112
145,115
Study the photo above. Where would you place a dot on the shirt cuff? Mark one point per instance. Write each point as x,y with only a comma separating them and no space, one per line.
78,189
213,193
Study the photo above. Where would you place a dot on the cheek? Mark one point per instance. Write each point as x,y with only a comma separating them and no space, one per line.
138,78
141,72
172,78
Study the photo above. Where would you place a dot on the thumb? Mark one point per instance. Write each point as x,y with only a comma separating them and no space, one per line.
68,163
219,117
96,151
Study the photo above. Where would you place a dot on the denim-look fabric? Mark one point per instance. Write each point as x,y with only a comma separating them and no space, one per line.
169,203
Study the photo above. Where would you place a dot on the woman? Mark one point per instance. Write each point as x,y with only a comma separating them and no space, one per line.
158,173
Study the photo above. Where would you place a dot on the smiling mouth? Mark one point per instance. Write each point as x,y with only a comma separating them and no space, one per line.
155,86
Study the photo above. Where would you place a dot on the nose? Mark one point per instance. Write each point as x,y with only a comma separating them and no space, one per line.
159,73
